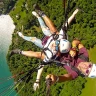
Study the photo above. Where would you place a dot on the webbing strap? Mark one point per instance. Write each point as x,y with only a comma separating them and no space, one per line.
66,10
77,71
68,64
48,84
48,50
83,57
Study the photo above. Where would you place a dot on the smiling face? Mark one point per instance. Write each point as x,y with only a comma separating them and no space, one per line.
85,67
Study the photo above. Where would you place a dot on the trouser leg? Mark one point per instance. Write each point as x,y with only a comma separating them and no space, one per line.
34,40
44,28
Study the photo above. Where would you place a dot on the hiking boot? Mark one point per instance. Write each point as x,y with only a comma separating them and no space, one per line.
38,9
15,51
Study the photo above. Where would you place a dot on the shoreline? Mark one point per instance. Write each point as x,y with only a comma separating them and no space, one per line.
6,29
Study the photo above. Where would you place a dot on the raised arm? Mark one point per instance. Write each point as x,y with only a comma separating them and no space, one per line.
61,78
50,24
36,84
72,17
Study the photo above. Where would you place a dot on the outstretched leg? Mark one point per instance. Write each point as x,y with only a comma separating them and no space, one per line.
44,28
39,55
48,22
36,55
34,40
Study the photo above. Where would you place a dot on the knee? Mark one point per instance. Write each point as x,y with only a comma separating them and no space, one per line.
40,55
33,39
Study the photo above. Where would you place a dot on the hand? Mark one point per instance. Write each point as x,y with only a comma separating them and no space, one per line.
76,11
53,78
35,86
72,53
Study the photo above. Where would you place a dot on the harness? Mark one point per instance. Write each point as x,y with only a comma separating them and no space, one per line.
82,57
47,49
54,37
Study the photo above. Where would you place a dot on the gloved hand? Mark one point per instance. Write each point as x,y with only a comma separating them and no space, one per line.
35,86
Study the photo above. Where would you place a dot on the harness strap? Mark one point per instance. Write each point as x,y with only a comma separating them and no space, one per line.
77,71
48,84
73,68
83,57
68,64
66,10
45,52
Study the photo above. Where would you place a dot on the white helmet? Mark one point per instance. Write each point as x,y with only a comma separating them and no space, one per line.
64,46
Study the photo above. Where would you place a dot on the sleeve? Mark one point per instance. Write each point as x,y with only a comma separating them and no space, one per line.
83,51
72,72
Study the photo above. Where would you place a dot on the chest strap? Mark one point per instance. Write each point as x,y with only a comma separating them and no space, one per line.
83,57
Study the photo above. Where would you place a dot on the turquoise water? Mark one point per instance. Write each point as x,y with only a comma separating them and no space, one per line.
4,72
6,29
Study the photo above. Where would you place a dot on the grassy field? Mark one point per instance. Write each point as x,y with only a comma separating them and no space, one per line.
90,86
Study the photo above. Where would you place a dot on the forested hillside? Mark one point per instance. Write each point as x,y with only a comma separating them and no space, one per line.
83,27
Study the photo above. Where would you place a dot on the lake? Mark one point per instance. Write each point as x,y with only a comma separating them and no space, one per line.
6,29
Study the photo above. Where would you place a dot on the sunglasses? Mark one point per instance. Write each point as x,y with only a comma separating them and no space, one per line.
57,42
